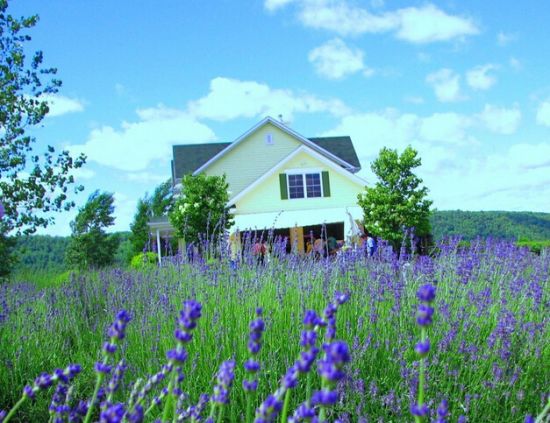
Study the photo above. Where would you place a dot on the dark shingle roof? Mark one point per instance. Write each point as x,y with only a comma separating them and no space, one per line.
341,147
189,157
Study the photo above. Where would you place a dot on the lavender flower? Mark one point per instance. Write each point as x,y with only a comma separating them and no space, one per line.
225,377
252,366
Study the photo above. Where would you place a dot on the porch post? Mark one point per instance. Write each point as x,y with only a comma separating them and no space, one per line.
158,247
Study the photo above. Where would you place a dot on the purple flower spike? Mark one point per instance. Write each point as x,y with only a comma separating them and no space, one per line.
28,392
225,377
424,316
422,348
311,319
250,385
426,293
102,368
420,410
324,398
113,414
178,355
43,381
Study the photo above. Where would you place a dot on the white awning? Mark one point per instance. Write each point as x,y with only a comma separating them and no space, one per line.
290,219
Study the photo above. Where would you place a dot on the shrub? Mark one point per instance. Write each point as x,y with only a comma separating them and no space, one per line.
144,261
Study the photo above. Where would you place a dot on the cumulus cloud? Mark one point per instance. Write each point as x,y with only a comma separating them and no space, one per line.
446,85
134,145
418,25
445,127
479,78
458,176
543,113
429,24
335,60
231,98
501,120
60,105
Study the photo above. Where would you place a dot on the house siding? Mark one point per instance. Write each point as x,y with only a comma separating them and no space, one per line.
266,197
252,158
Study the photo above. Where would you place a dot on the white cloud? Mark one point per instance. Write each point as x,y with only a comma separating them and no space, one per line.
457,175
273,5
417,25
134,145
83,173
445,128
446,85
543,113
413,99
479,78
503,38
500,120
334,59
145,177
230,99
60,105
429,24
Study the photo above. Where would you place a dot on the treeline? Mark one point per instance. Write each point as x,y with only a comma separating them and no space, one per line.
45,253
518,226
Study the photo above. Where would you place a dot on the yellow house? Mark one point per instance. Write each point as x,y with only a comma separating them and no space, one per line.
279,180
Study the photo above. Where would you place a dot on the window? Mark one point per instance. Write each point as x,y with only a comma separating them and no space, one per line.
311,182
295,186
313,185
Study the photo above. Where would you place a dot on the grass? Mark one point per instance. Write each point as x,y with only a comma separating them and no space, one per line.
490,356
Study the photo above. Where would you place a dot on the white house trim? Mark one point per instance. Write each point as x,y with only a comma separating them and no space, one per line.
346,173
283,128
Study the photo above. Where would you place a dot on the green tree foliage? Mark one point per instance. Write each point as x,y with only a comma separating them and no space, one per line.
41,253
397,202
90,246
522,226
202,208
159,204
32,183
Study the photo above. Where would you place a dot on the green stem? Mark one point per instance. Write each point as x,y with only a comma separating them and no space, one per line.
543,412
98,382
168,403
285,406
421,378
15,408
249,407
220,414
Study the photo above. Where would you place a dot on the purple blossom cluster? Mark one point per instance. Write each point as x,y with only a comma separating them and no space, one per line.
489,320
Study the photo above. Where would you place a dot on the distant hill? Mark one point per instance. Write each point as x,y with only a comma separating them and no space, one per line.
497,224
47,253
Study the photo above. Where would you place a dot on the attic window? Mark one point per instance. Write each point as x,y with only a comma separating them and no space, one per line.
310,181
269,139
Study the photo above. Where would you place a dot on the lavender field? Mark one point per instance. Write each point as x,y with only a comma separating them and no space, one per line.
489,342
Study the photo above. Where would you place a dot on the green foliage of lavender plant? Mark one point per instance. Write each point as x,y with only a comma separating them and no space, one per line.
489,356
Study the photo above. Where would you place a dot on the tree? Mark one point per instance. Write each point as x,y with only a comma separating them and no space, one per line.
202,208
139,227
32,184
90,246
160,204
397,202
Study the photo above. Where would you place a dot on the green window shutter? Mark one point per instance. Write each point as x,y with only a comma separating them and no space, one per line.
326,184
284,188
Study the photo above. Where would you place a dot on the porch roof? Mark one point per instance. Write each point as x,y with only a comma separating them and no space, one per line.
290,219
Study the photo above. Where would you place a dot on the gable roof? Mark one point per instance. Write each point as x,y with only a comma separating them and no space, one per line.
193,158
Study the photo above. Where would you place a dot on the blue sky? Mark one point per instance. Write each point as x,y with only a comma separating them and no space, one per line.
464,82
